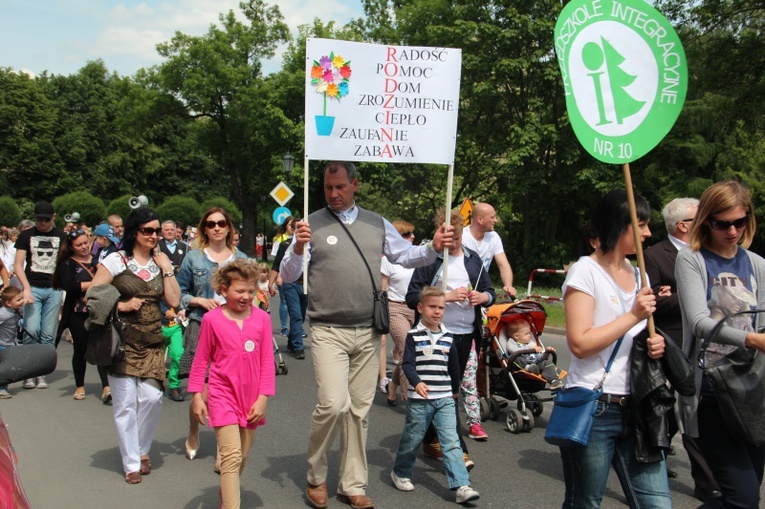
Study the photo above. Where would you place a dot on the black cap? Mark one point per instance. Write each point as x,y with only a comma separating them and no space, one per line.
44,210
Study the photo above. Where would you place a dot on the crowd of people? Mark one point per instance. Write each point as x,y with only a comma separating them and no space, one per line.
199,309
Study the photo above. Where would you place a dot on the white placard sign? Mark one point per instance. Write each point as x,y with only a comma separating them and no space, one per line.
372,102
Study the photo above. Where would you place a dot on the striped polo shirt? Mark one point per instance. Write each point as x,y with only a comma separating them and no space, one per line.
430,357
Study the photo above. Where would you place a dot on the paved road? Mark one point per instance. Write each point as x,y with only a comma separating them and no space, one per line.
69,457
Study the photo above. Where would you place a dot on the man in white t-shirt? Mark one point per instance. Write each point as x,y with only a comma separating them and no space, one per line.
481,238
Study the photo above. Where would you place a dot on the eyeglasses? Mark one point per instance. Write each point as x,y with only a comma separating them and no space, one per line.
720,225
407,234
212,224
685,221
148,231
73,235
43,219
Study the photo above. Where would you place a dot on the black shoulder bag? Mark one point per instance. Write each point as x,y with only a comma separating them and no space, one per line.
738,376
380,316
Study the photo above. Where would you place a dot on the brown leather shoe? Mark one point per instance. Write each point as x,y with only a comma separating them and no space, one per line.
145,466
317,495
356,501
133,478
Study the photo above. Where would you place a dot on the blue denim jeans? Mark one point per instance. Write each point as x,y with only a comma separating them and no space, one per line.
612,443
420,413
296,306
283,313
41,317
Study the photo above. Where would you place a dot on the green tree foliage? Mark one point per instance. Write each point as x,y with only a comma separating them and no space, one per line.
225,204
218,78
120,206
180,208
91,208
10,213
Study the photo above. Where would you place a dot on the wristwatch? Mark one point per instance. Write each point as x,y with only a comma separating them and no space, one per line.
168,274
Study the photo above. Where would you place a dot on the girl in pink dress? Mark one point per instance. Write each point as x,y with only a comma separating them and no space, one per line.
235,339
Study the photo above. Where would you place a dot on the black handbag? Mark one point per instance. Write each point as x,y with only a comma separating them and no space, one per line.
573,412
106,343
738,377
380,312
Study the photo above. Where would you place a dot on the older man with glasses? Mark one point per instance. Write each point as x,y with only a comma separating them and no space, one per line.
38,247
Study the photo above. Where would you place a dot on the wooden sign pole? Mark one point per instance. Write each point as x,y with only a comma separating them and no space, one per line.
638,242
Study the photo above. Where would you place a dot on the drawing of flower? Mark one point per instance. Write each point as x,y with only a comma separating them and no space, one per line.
330,75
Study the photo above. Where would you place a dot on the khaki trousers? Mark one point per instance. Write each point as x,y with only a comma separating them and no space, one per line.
345,361
234,444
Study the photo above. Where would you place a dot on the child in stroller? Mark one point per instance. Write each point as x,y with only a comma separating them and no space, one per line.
516,336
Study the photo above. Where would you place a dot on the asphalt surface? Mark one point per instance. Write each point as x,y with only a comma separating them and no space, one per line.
68,455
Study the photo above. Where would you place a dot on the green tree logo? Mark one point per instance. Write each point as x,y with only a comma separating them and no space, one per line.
593,57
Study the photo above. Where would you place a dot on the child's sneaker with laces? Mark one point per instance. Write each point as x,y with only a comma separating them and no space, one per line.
5,394
466,494
477,433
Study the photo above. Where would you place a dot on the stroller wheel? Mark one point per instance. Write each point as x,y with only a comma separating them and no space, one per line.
536,408
528,422
514,421
281,369
485,409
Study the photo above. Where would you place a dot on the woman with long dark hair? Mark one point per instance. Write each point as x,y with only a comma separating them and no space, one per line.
74,274
605,309
718,276
143,276
215,236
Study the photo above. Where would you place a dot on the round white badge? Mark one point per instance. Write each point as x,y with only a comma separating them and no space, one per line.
428,350
331,240
249,345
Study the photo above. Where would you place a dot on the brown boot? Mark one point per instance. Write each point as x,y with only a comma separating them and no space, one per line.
317,495
356,501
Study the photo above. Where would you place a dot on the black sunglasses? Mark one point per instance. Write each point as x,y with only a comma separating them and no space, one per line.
720,225
685,221
73,235
212,224
148,231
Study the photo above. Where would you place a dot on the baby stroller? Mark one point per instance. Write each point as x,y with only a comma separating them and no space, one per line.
502,380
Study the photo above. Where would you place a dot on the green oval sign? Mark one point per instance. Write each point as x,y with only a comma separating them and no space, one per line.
624,74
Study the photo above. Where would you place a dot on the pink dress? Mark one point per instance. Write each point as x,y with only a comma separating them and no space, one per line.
241,365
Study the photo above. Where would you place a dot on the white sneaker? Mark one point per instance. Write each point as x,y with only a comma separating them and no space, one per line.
383,386
5,394
29,383
401,483
41,383
466,494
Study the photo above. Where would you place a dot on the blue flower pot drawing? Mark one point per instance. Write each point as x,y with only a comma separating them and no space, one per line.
324,125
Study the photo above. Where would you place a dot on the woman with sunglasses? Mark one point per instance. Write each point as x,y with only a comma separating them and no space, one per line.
74,274
215,237
143,276
717,275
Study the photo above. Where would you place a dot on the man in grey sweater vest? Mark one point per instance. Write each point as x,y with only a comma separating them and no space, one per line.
344,344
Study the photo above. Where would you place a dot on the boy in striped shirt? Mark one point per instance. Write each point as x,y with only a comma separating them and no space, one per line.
430,365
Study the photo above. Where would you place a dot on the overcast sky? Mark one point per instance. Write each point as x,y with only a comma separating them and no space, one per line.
61,36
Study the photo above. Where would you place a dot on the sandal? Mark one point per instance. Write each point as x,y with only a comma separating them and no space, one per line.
79,396
133,478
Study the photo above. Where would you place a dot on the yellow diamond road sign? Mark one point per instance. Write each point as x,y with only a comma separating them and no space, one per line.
281,193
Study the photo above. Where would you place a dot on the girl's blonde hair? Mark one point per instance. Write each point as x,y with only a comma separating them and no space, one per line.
263,267
244,269
718,198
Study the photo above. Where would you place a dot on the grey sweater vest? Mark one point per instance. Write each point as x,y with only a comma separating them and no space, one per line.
340,288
